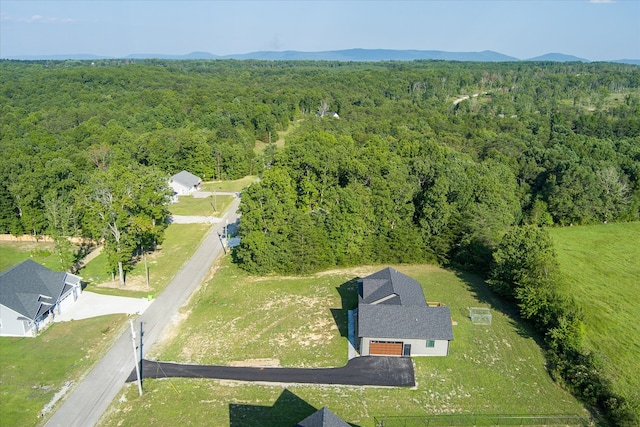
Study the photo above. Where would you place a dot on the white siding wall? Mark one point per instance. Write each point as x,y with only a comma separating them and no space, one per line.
364,346
419,348
11,326
180,189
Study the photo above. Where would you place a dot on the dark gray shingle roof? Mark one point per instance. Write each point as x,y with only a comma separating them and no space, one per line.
322,418
408,322
30,288
389,286
186,179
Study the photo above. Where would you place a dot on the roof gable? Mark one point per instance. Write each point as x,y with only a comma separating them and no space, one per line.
322,418
389,286
30,288
186,179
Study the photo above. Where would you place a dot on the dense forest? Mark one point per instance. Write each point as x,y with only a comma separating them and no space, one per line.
428,160
457,163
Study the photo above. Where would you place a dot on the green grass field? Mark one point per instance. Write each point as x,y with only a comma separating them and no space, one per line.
238,319
227,186
181,241
601,271
208,206
33,370
12,253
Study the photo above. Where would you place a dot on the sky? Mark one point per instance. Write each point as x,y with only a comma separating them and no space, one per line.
596,30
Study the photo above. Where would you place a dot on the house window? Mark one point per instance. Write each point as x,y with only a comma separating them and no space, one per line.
431,343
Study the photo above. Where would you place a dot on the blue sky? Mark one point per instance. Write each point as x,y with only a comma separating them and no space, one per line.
595,30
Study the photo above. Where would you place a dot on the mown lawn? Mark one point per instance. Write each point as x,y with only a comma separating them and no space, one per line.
181,241
238,319
207,206
33,370
228,186
601,271
13,253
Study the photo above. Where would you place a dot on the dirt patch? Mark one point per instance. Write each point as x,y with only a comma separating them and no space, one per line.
133,283
170,332
365,270
360,271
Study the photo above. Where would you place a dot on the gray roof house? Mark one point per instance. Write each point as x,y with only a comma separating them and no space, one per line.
394,318
184,183
322,418
31,295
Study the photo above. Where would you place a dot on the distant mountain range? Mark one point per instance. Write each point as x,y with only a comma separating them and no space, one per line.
360,55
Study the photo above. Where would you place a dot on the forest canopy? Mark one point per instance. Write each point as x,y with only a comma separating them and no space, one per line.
428,160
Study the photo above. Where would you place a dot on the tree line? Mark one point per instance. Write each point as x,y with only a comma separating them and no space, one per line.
525,271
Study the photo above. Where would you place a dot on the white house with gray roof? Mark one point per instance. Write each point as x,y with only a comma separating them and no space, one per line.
184,184
31,295
394,318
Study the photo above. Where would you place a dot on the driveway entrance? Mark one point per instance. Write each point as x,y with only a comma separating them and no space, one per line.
362,371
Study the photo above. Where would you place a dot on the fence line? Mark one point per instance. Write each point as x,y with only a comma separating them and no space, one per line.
478,420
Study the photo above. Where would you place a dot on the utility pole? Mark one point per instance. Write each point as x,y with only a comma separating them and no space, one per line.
141,335
222,243
135,358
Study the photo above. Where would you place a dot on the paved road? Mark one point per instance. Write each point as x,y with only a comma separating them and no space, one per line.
362,371
84,407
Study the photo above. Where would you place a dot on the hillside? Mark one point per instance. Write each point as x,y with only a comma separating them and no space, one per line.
600,267
371,55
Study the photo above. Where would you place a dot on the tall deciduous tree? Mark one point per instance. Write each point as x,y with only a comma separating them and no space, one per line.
62,219
122,205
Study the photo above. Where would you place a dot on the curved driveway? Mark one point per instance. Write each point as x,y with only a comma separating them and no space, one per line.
85,405
361,371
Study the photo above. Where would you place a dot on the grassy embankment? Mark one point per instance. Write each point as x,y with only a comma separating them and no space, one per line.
238,319
601,270
33,370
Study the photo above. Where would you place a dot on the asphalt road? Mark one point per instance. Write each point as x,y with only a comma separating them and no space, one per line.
361,371
92,396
